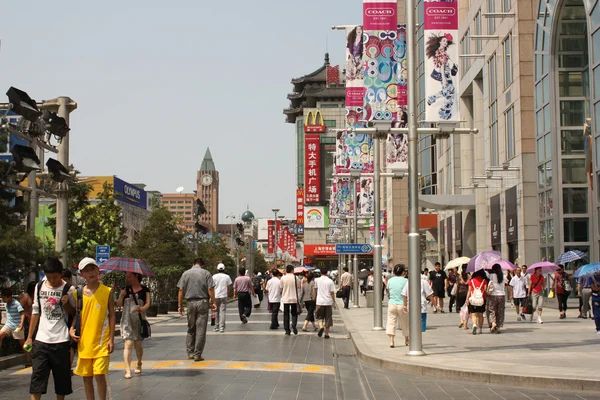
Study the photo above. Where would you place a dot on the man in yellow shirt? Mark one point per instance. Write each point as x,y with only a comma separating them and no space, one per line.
96,334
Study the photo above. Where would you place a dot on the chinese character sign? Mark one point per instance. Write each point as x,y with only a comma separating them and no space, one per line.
441,60
312,163
270,233
300,211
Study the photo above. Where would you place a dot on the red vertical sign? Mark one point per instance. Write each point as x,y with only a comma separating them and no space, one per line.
270,235
300,211
312,168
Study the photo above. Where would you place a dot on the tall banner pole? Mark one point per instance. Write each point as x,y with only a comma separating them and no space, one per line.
380,22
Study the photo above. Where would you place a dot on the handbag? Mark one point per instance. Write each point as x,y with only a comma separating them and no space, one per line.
527,306
551,294
454,289
454,70
567,285
255,300
436,75
339,294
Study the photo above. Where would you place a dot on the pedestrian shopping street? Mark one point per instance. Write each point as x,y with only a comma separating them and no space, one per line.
252,362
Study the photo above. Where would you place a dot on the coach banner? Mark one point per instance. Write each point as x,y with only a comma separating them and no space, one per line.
380,21
441,64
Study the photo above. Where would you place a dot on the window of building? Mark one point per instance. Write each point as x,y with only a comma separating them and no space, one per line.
491,21
573,170
330,123
477,28
572,142
576,229
329,105
494,145
506,5
510,133
575,200
465,47
492,77
508,71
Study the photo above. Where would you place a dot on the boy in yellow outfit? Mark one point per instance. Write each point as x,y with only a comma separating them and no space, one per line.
97,321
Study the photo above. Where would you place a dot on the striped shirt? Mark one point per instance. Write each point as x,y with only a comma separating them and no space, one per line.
13,314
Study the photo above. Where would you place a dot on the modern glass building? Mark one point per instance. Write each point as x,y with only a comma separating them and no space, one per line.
567,92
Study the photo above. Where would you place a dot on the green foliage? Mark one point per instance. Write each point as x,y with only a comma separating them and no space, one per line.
260,264
17,246
211,248
164,284
91,224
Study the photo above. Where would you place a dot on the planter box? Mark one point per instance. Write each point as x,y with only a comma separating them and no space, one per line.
173,305
163,308
152,311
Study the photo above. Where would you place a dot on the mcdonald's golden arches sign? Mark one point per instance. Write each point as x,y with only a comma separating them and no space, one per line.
314,123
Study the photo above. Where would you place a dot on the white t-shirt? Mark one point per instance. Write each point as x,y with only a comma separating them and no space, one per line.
498,286
52,327
518,284
324,287
426,291
274,289
222,282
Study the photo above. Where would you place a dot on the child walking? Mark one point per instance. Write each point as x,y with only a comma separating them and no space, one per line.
96,312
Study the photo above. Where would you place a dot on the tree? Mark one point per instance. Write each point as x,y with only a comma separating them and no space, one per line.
260,264
212,247
89,225
17,246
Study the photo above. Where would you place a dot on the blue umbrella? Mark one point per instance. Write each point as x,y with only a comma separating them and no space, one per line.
570,256
587,270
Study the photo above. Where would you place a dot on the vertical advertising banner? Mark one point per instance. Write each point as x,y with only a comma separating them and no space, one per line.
512,222
382,227
270,234
312,163
495,220
341,197
441,61
380,21
366,195
300,211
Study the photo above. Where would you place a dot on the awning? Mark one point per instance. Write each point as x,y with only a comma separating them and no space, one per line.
447,201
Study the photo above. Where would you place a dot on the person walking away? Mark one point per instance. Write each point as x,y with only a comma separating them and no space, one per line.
584,291
26,301
426,296
135,300
525,276
273,290
290,298
325,302
536,283
15,319
396,305
258,287
222,282
95,306
595,286
562,287
370,280
461,297
307,294
242,290
51,344
346,285
198,288
519,292
496,299
476,299
439,282
452,278
67,276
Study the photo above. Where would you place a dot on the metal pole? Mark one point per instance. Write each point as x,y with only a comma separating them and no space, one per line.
33,196
354,265
414,274
65,106
377,286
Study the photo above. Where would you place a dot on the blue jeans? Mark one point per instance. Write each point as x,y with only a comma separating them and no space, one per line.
596,310
423,322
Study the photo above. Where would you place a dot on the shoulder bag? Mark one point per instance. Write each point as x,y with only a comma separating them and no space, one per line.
298,302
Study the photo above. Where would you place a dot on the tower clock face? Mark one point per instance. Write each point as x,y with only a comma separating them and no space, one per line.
207,180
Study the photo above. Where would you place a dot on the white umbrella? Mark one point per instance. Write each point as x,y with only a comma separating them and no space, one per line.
456,263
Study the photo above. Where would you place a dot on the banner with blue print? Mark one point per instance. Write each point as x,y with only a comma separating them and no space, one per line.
130,194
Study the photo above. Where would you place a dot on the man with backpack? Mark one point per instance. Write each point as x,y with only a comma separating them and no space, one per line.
49,333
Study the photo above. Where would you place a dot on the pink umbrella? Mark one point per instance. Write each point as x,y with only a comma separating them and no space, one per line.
547,267
504,264
483,260
300,270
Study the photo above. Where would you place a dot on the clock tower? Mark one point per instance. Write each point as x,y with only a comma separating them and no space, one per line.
207,182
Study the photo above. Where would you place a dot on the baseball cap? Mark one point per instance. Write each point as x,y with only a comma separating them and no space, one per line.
85,262
221,267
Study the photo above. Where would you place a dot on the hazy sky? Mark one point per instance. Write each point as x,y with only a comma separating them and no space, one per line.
158,82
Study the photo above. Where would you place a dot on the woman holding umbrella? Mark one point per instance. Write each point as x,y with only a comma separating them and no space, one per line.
496,299
562,288
135,300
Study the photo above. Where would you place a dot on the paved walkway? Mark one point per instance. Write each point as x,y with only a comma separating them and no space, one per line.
558,353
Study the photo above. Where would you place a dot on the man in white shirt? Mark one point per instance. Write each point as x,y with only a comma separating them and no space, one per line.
289,296
518,283
325,302
222,282
426,294
52,342
273,290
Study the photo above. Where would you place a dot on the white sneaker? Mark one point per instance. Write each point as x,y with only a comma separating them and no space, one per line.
539,320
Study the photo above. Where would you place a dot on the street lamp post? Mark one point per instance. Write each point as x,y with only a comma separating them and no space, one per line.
275,211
